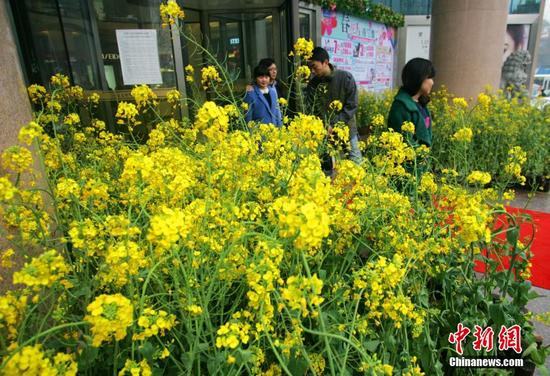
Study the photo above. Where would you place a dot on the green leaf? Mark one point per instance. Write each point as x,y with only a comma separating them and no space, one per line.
371,345
533,295
512,235
297,366
147,350
88,356
83,290
537,357
543,371
496,313
246,355
213,364
532,347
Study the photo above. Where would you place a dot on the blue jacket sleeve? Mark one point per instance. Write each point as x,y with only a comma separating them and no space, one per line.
249,99
278,120
278,116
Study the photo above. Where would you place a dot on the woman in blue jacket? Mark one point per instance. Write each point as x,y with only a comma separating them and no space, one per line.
262,101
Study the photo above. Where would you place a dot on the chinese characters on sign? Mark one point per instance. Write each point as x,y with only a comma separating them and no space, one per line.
508,338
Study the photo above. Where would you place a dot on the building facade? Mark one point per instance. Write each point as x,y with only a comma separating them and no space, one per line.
79,37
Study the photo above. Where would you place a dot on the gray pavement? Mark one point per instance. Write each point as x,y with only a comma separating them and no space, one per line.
539,201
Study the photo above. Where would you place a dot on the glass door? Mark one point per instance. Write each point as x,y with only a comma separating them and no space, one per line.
241,40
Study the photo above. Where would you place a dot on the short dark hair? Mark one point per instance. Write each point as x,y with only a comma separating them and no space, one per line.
260,70
415,72
267,62
319,54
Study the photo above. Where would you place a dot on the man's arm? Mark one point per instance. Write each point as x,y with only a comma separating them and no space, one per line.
349,101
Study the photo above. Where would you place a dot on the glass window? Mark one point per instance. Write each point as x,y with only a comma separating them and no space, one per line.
524,6
305,25
415,7
128,14
47,38
82,54
542,73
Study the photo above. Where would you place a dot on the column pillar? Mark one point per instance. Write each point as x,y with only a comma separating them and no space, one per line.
467,39
15,110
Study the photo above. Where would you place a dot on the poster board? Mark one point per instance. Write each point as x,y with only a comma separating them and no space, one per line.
364,48
139,56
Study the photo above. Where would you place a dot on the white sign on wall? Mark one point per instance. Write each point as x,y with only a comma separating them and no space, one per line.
418,42
139,56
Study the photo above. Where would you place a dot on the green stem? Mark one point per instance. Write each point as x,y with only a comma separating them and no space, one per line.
277,355
321,321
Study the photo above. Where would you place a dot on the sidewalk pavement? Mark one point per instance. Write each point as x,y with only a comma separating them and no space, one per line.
539,202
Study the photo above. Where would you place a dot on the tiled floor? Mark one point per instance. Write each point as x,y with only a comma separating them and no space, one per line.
540,201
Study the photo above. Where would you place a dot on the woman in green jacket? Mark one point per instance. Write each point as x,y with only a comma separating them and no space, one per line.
410,103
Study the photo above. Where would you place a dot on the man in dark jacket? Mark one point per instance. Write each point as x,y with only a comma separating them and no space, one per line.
327,85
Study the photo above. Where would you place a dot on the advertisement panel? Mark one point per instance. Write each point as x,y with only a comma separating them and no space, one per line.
362,47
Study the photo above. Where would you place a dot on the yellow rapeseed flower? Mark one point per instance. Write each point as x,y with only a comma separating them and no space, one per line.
72,119
335,105
153,323
170,12
31,360
144,96
303,72
60,80
133,368
378,120
126,113
43,270
17,159
189,73
7,189
303,48
109,316
484,100
408,127
478,177
94,98
29,132
463,134
173,97
209,76
11,312
36,93
460,102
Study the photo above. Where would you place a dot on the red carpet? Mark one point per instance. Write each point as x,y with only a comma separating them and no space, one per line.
540,249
